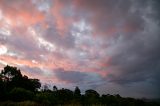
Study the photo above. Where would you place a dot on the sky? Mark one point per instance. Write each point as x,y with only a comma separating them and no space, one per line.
112,46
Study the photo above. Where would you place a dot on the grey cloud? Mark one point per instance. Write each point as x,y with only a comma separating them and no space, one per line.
2,39
25,46
134,56
107,15
33,70
137,52
64,41
137,57
70,76
137,90
83,79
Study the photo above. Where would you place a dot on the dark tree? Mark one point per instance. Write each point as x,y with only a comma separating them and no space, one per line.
35,84
2,89
91,97
77,92
12,78
77,95
55,88
11,73
64,96
91,93
20,94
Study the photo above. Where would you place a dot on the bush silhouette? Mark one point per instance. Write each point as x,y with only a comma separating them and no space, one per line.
11,77
20,94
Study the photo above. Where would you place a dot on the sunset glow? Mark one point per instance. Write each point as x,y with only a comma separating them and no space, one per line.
111,46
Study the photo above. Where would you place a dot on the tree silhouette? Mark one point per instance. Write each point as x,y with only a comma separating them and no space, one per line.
12,78
11,73
92,96
64,96
77,92
20,94
55,88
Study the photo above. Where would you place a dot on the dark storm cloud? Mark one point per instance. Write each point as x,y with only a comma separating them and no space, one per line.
137,56
133,46
109,17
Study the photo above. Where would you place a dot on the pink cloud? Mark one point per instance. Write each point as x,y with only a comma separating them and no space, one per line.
20,12
62,19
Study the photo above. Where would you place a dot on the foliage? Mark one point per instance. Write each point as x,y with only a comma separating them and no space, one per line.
12,77
77,92
91,97
20,94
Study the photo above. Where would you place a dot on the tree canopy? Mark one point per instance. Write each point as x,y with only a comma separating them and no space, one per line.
12,78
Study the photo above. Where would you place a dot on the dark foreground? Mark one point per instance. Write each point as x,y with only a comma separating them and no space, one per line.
19,90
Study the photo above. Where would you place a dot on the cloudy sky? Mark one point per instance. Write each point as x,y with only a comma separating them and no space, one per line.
112,46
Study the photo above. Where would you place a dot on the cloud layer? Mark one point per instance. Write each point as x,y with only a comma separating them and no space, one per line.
108,45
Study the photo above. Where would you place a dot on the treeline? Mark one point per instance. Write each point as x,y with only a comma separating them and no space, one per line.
18,89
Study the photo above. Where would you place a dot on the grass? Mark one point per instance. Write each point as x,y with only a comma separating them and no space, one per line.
24,103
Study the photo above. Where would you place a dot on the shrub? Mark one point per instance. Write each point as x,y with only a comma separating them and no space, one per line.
20,94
